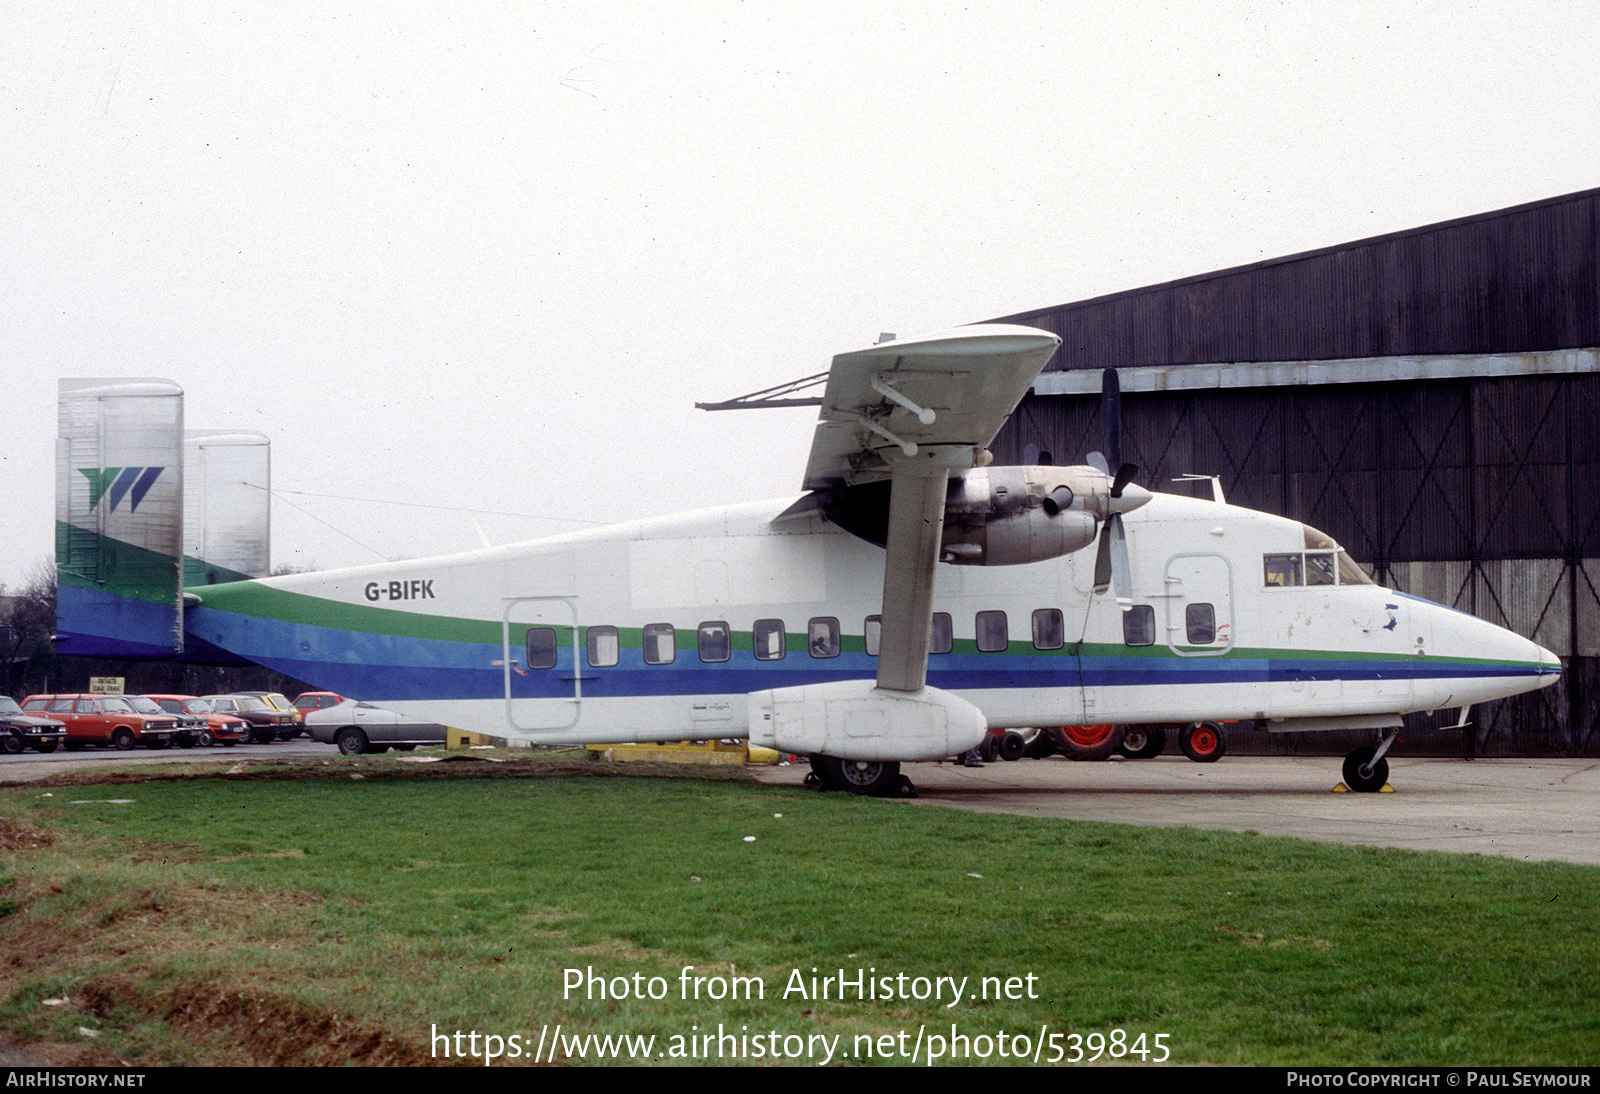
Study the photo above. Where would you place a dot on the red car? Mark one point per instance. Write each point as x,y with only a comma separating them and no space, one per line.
219,729
104,720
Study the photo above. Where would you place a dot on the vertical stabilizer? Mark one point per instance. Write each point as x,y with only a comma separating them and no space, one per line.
227,507
119,518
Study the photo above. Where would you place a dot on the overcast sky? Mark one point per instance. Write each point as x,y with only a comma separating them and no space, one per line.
487,255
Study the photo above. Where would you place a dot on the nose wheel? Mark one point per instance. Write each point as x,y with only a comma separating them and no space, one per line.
1365,770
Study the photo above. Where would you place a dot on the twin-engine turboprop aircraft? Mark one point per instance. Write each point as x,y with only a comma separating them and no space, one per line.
913,599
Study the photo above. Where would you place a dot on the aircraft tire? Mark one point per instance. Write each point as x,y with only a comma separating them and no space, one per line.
1203,742
1143,742
1091,743
351,741
1365,784
1012,746
871,779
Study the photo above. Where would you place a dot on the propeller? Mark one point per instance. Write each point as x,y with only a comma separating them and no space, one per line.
1111,568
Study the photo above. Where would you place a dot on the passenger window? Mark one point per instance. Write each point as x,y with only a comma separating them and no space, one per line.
660,644
714,641
1200,620
871,631
541,647
822,636
1321,568
603,646
767,637
1139,625
941,633
991,631
1048,630
1282,571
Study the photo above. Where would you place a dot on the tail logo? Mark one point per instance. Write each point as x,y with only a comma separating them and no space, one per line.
119,482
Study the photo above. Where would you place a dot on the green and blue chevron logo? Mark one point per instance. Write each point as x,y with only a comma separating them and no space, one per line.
119,482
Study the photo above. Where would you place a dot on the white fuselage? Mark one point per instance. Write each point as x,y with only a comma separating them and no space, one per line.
661,629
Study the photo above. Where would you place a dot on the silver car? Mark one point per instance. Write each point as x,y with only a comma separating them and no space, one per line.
361,727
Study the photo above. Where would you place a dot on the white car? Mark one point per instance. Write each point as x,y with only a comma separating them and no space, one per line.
361,727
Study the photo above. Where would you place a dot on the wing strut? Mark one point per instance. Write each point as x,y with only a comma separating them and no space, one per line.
916,524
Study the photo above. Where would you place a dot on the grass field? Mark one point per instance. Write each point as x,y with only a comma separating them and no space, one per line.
309,916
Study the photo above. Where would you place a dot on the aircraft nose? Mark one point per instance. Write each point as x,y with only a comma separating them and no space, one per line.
1549,665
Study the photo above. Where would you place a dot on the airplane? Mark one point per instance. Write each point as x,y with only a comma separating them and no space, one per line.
912,599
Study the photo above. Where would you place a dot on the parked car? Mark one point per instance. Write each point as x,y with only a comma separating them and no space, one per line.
267,722
281,702
308,701
211,728
104,720
19,731
361,727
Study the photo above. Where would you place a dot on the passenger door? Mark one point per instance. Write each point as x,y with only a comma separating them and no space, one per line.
542,662
1199,601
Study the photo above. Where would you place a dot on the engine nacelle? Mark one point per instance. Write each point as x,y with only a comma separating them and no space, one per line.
995,516
1005,516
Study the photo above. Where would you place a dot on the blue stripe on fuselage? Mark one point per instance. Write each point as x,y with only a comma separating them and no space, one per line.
379,668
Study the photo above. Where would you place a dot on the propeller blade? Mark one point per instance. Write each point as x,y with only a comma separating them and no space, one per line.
1125,475
1121,571
1111,567
1102,560
1111,416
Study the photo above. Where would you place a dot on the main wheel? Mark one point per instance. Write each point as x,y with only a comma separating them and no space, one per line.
1143,742
123,738
351,741
1359,761
1203,742
873,778
989,750
1095,742
867,777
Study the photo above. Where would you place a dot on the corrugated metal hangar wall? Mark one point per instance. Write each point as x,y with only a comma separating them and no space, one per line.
1430,398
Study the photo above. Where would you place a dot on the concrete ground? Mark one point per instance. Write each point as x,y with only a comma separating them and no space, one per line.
1522,809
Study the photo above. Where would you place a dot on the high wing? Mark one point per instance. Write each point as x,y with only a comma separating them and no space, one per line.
913,411
966,382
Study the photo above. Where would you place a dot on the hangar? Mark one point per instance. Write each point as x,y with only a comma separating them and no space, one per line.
1430,398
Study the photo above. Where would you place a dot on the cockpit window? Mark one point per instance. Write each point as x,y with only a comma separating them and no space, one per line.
1320,568
1283,571
1323,562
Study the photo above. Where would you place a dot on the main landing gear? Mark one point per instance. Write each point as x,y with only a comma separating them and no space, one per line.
877,779
1365,770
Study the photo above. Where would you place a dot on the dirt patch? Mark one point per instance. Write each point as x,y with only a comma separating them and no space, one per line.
374,768
17,838
252,1027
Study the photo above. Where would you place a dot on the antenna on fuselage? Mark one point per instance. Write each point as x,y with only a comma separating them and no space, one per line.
1214,480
